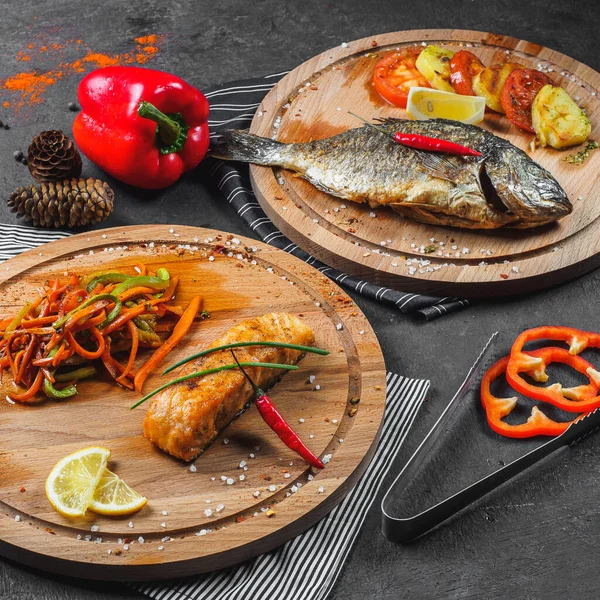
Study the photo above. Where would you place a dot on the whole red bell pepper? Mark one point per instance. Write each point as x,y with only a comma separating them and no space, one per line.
143,127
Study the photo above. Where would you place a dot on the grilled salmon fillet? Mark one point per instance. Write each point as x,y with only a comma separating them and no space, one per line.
186,418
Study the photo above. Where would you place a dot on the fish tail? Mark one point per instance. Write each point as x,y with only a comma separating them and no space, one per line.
245,147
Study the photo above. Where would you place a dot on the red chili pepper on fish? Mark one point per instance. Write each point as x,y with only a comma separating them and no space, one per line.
274,419
424,142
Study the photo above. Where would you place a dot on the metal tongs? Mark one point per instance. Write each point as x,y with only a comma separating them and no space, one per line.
402,530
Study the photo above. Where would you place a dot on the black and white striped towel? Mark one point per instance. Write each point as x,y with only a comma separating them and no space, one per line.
306,567
233,106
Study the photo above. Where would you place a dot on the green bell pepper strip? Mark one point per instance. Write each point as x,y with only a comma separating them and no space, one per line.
17,320
111,316
81,373
105,278
160,281
51,391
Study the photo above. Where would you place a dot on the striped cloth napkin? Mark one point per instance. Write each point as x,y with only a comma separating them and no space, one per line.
232,107
306,567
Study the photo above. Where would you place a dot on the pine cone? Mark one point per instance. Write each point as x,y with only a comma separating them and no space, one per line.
52,156
70,203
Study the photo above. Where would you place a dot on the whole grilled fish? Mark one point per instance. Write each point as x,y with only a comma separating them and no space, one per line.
502,188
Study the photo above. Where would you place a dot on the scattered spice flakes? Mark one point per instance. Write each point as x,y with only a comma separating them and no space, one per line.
269,513
504,275
429,249
240,519
22,489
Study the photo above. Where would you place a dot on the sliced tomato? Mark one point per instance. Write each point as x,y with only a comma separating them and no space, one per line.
464,65
396,73
520,89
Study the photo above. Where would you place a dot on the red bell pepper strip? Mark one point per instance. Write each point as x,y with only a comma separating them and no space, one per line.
521,361
498,408
144,127
274,419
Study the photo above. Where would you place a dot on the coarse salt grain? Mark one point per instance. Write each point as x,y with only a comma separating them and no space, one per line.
326,458
317,387
256,493
141,540
208,512
161,548
242,477
164,512
220,507
193,468
242,464
339,326
287,475
300,420
230,481
18,518
163,524
226,440
130,524
321,489
94,528
272,488
211,258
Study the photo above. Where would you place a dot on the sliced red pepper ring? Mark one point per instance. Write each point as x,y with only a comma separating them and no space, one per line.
577,399
497,408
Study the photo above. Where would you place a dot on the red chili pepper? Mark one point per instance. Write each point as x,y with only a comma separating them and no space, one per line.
423,142
144,127
498,408
274,419
581,398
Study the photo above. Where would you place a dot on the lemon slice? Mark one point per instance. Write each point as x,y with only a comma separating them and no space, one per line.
71,483
114,497
427,103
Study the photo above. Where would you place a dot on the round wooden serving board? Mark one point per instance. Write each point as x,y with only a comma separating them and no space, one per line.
254,280
312,102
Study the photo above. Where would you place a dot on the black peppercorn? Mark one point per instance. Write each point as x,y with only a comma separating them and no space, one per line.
6,126
18,155
73,106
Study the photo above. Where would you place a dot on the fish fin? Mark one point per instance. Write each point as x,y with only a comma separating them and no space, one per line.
438,166
234,144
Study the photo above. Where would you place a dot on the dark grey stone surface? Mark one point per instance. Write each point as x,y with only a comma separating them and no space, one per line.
538,538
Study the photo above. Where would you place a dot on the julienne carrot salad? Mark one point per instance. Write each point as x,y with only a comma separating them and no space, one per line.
52,342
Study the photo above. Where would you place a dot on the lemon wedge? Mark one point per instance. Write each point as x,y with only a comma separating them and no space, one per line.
427,103
71,483
113,496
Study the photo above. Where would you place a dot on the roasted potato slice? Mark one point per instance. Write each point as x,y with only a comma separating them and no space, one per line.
557,120
434,64
490,83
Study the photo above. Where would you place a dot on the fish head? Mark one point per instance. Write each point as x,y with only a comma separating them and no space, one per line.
511,179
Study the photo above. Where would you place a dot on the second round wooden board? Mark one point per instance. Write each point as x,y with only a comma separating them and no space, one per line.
238,278
313,102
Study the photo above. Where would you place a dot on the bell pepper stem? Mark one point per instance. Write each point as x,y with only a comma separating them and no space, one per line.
168,129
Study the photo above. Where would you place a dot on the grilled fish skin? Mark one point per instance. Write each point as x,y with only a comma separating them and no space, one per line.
186,418
503,188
